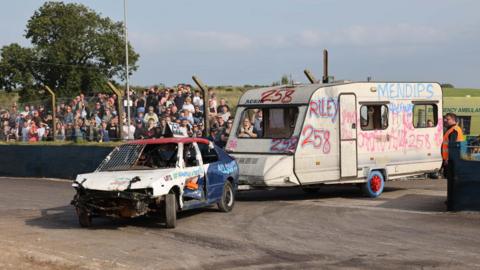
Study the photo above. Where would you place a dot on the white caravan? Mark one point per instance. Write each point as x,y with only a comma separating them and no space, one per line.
349,132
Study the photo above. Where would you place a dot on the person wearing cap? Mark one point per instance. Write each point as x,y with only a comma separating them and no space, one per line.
213,136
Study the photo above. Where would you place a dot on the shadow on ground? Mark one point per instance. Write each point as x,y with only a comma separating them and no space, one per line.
295,194
65,217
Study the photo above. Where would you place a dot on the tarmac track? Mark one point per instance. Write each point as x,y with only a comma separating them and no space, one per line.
406,228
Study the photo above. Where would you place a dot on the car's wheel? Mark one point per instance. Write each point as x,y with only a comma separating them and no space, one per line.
170,210
84,218
374,185
227,201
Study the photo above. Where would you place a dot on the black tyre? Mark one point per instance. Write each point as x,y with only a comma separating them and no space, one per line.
227,201
171,211
84,218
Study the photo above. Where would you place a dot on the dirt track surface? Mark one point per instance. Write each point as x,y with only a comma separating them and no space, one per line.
337,228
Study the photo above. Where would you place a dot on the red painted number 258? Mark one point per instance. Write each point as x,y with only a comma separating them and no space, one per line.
275,95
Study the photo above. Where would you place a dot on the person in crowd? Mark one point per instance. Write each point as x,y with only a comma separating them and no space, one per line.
128,133
226,133
59,132
224,112
69,117
198,100
33,132
223,103
188,106
140,132
258,123
246,131
91,132
113,129
151,131
103,132
197,115
77,131
25,131
151,115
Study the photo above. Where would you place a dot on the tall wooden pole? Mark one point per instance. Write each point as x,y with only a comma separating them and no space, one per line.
54,113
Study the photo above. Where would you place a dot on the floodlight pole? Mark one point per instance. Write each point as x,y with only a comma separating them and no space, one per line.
54,115
126,68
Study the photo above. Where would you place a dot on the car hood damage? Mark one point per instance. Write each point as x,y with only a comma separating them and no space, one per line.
120,180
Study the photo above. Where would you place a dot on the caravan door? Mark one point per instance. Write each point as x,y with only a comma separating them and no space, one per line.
348,135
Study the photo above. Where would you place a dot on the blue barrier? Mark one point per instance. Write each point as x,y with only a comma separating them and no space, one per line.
52,161
463,174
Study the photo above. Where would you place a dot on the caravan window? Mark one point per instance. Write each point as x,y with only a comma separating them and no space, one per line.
425,115
373,117
272,123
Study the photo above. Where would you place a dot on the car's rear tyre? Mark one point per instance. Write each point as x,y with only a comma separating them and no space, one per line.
84,218
171,210
374,185
227,201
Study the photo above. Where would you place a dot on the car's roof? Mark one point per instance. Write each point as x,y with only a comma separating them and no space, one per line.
170,140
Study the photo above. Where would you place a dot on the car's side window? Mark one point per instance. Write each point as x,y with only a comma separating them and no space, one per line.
209,155
189,155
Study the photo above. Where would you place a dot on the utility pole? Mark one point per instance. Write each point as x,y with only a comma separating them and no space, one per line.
126,68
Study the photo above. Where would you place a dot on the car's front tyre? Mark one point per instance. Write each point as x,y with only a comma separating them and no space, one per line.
227,201
84,218
171,210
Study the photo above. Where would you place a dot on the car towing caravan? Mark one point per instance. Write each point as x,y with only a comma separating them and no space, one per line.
331,133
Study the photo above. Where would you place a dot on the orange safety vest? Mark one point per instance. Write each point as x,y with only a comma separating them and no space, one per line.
446,136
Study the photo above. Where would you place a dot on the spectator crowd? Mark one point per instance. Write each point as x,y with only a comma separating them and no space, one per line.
95,119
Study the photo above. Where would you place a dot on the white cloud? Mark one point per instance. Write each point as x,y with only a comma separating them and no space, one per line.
378,35
219,40
192,41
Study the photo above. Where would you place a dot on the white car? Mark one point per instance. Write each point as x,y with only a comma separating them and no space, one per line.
157,177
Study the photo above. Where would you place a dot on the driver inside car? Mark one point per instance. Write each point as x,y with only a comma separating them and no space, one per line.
193,185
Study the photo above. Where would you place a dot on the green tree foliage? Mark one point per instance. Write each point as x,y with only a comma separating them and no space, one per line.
284,80
73,49
447,85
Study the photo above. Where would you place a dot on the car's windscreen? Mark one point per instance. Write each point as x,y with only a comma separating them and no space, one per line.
272,123
141,157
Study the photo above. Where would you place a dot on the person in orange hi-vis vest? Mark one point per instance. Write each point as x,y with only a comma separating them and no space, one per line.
453,134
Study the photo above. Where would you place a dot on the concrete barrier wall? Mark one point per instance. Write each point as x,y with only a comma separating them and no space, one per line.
464,180
50,161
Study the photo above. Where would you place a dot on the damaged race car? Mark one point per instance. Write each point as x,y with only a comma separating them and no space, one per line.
157,177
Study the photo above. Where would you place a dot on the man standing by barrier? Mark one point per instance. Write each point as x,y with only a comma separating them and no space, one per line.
453,135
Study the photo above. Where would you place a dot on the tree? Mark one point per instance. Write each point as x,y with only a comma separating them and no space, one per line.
73,49
447,85
284,80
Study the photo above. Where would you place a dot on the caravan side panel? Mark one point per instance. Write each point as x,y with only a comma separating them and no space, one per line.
317,154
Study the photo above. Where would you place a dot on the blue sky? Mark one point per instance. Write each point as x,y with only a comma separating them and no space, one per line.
255,42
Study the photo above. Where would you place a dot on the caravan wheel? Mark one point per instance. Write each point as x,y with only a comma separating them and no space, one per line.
374,185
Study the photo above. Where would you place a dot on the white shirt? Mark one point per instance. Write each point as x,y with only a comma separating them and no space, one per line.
128,134
188,107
